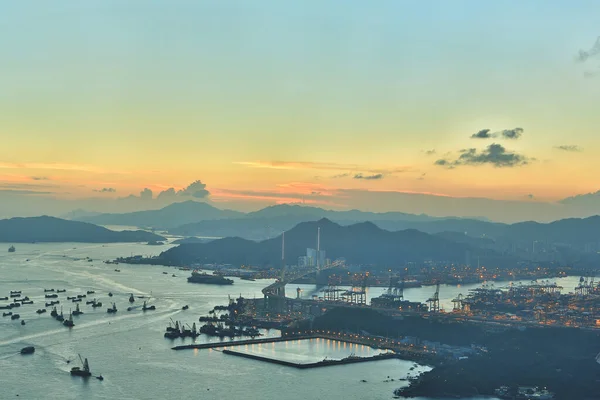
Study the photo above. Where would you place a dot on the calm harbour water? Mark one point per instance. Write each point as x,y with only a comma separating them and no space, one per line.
129,350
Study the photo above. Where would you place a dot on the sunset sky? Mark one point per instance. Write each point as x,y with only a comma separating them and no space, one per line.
314,101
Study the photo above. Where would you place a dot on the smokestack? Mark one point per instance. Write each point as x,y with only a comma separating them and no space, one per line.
318,248
283,249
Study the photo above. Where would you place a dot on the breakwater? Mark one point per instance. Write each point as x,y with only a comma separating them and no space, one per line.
324,363
242,342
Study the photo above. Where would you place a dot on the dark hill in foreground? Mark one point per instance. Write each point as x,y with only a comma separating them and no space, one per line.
362,243
50,229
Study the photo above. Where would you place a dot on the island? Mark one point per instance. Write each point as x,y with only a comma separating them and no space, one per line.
51,229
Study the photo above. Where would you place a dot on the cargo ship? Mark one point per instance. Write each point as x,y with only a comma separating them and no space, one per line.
202,277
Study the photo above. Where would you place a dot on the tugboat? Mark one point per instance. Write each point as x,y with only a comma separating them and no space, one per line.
11,249
69,322
131,298
77,311
83,372
148,308
112,310
28,350
96,304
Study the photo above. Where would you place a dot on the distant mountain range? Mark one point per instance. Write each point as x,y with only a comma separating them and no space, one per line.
50,229
362,243
200,219
171,216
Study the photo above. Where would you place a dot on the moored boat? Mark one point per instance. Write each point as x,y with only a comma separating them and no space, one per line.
83,371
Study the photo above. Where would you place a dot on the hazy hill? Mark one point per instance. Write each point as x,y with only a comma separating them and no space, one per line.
363,243
173,215
260,228
50,229
572,231
315,213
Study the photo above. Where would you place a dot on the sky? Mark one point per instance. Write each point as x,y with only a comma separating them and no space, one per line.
340,104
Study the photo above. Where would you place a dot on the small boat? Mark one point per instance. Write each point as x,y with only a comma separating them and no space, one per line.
11,249
41,311
100,377
27,302
71,297
84,371
15,305
69,322
166,273
22,322
129,308
90,292
110,294
28,350
77,311
131,298
96,304
4,298
185,307
7,307
148,308
7,314
90,302
61,290
17,292
15,316
117,270
174,276
112,310
48,290
51,296
81,296
76,301
54,312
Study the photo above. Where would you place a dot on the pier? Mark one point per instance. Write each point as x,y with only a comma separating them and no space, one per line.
324,363
419,354
215,345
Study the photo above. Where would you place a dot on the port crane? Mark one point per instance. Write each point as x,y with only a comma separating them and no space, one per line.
434,302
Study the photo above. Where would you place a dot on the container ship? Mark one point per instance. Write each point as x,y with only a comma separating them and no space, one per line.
202,277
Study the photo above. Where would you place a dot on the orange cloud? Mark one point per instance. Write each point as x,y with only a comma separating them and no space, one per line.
309,165
55,166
